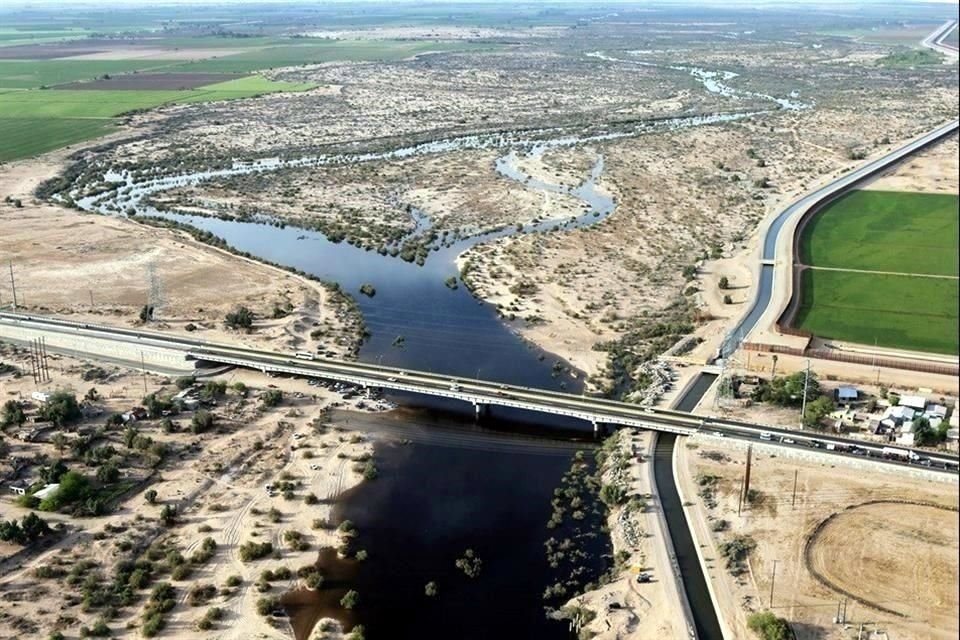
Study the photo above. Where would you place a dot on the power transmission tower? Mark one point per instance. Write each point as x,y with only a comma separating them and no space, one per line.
806,383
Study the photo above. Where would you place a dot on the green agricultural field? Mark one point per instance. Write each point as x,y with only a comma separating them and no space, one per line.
885,231
35,121
902,312
25,137
30,74
910,58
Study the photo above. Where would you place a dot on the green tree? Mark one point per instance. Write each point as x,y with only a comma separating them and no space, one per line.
12,415
271,397
724,282
431,590
61,408
350,599
817,411
150,496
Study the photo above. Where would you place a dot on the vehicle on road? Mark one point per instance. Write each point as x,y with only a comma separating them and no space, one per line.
766,435
303,355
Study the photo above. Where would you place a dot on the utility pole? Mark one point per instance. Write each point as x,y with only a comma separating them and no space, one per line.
13,286
793,503
91,298
745,495
143,368
773,577
803,406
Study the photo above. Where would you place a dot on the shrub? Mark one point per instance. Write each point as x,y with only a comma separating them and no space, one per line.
271,397
768,626
267,605
350,599
202,421
239,318
250,551
431,590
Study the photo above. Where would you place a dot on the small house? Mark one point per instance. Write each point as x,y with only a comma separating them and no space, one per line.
47,491
847,394
902,413
18,489
917,403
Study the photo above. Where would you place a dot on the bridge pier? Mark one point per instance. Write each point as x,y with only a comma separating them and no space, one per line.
479,410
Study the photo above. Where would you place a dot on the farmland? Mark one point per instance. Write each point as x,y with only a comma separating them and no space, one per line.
25,137
885,231
884,271
64,83
902,312
35,121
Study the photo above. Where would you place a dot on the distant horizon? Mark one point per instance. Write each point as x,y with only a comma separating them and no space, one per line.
38,4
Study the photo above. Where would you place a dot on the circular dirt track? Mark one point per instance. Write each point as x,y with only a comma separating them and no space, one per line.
899,558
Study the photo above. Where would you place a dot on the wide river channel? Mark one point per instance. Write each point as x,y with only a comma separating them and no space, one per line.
454,485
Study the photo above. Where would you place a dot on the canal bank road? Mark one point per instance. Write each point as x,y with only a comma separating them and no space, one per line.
731,619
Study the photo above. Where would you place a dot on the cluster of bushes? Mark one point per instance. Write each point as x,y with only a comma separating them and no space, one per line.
769,627
61,408
12,414
162,600
736,551
239,318
788,391
250,551
470,563
644,339
271,397
30,529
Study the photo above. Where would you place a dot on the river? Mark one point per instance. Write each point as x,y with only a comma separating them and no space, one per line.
432,500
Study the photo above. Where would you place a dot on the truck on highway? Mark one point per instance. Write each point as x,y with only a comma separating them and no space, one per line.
899,454
303,355
766,435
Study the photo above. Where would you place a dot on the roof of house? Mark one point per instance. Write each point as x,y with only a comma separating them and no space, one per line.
46,491
914,402
902,413
848,393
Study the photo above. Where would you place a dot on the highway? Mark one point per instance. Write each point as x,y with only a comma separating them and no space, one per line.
936,39
480,393
769,259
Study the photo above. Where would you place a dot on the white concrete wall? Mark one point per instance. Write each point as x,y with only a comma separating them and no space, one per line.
153,357
816,456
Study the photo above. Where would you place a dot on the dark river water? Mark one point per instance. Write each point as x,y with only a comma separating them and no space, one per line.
455,487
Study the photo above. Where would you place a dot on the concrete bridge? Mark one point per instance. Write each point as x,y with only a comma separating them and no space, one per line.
178,355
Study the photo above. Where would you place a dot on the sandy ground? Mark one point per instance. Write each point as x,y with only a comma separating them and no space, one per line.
216,480
862,549
106,269
936,170
626,609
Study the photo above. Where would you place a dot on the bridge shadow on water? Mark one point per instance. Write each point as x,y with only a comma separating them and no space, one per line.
447,484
